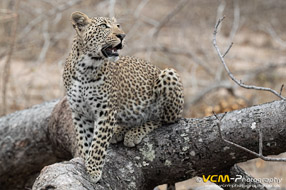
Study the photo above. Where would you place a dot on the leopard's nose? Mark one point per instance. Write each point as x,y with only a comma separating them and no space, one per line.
120,36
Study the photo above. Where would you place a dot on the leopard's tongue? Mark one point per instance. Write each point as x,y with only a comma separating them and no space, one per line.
113,50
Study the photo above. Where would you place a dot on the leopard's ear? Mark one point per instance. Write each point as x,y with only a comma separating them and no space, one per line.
79,21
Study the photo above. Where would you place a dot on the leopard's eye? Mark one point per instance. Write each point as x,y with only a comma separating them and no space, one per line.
118,25
103,26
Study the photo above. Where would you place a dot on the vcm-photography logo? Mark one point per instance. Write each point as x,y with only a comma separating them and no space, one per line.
237,178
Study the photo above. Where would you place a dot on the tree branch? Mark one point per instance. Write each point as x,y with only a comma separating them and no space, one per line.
228,71
168,155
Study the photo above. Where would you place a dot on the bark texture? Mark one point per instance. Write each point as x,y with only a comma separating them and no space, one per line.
170,154
24,146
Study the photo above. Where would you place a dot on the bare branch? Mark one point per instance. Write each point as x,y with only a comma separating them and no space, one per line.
230,74
227,49
168,17
149,21
275,36
236,19
37,20
111,8
219,122
281,89
220,9
137,21
47,42
139,8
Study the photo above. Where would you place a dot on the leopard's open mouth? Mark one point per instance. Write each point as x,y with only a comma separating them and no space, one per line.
110,51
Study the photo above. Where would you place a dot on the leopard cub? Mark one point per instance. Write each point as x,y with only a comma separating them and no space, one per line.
114,98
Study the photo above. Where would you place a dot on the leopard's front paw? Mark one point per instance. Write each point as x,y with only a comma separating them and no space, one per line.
131,139
116,138
94,176
94,173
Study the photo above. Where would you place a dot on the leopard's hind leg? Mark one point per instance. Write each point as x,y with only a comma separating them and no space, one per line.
168,91
119,133
135,135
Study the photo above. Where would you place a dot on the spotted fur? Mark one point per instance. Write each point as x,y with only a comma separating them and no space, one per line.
114,98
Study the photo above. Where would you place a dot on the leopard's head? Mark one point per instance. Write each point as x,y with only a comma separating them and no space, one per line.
101,37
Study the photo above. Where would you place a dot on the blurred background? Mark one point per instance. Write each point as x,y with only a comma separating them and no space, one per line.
36,36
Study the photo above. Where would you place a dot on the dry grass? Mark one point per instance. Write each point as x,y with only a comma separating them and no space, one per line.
44,40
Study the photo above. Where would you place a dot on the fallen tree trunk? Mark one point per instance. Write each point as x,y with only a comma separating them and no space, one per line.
24,146
168,155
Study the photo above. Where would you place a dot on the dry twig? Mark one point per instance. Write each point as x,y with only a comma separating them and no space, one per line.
47,42
111,8
139,8
221,56
236,19
37,20
220,9
281,89
275,36
168,17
